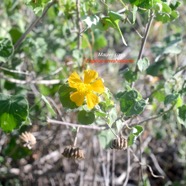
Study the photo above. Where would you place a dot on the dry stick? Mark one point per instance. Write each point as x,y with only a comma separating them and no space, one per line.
128,168
78,23
75,139
15,71
76,125
44,82
152,118
140,159
103,168
156,164
33,24
150,169
108,166
113,167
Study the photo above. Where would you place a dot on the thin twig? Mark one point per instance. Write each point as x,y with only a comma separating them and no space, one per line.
76,135
128,168
135,29
76,125
152,118
144,40
44,82
144,121
14,71
140,159
113,131
113,167
156,164
32,25
78,23
150,169
152,173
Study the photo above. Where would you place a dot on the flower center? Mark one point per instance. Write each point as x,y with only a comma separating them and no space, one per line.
84,88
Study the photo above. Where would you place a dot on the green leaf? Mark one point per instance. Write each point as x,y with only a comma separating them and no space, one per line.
15,34
112,20
156,68
105,137
165,13
143,64
169,99
100,42
179,102
144,4
129,75
136,108
182,114
64,95
7,122
86,117
13,111
134,134
174,15
131,103
6,49
37,5
159,95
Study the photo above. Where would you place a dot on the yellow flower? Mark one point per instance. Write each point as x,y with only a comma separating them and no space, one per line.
86,89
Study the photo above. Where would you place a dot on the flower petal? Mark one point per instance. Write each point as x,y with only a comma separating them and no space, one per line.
90,75
98,86
74,80
78,98
92,100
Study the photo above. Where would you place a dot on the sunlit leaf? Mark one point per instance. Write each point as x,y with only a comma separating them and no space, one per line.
13,112
134,134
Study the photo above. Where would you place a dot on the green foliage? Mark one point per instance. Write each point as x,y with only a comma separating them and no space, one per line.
6,49
143,64
131,102
134,134
15,151
64,94
86,117
13,112
171,98
182,115
105,138
54,48
129,75
37,5
112,20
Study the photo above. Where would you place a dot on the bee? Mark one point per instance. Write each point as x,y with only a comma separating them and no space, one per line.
119,143
73,152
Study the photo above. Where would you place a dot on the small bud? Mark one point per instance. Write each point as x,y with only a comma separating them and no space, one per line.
73,152
28,139
119,143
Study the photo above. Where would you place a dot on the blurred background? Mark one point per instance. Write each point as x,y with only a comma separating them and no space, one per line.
51,52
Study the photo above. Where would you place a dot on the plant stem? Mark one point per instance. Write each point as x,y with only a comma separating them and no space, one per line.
113,131
144,40
78,23
75,140
32,25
